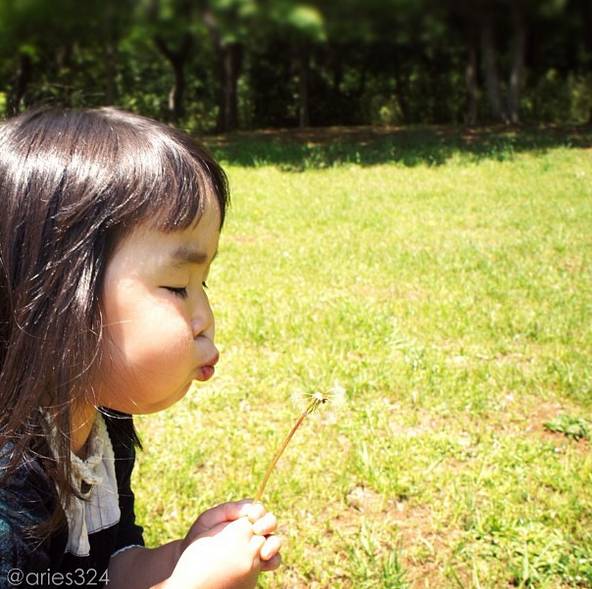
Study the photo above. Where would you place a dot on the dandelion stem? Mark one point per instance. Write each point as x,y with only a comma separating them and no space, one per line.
316,401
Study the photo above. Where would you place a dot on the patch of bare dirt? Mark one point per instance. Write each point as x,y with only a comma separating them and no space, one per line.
528,416
361,133
409,529
311,135
424,548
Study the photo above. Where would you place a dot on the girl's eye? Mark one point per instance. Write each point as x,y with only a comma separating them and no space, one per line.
178,291
204,284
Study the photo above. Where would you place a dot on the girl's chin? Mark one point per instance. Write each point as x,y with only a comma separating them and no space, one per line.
146,408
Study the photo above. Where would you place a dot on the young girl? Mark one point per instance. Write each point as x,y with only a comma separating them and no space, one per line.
109,223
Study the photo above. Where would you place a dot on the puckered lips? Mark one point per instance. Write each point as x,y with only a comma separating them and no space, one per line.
206,370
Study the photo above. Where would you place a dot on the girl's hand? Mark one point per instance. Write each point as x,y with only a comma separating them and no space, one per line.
264,524
227,547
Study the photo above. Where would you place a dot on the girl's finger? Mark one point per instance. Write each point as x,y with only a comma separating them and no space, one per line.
265,525
256,543
271,547
213,531
271,564
225,512
254,511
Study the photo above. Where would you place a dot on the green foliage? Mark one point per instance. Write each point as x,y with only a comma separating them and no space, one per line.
376,62
572,427
302,21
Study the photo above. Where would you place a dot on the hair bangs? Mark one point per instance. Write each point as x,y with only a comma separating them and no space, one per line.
160,176
177,193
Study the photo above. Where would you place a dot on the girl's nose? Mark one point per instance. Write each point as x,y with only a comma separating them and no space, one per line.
203,322
203,328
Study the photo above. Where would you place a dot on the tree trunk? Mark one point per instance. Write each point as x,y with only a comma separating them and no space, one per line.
221,124
110,56
336,65
303,68
176,102
490,67
65,62
401,95
229,58
586,18
471,79
517,72
177,59
21,83
232,55
110,43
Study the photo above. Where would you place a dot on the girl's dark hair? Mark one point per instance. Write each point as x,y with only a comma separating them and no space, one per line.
72,184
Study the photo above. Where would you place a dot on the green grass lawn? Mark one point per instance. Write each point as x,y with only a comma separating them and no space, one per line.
444,281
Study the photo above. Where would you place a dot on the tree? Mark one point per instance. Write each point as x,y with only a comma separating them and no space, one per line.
221,63
115,21
490,58
21,39
44,55
480,22
169,24
518,19
303,26
230,24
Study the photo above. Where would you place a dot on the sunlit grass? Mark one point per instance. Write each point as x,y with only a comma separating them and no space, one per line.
452,302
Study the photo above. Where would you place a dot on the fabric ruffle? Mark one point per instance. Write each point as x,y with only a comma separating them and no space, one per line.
94,478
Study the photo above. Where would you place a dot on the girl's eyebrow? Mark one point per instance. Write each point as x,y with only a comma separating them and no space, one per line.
187,255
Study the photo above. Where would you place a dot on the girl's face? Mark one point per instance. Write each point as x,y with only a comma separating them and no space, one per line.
159,327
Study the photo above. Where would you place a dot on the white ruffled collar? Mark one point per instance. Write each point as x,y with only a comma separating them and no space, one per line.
85,471
94,478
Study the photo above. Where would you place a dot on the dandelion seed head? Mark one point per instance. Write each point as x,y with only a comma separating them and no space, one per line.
318,396
324,405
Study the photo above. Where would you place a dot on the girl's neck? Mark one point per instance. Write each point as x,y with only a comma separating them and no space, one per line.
83,419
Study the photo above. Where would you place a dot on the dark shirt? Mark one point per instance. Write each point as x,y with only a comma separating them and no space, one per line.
29,498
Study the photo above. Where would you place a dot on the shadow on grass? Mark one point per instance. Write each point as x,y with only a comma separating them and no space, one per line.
298,150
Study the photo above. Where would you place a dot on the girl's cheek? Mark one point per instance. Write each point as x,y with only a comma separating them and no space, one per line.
160,331
150,329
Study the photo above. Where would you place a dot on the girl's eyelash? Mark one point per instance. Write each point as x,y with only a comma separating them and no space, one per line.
180,291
